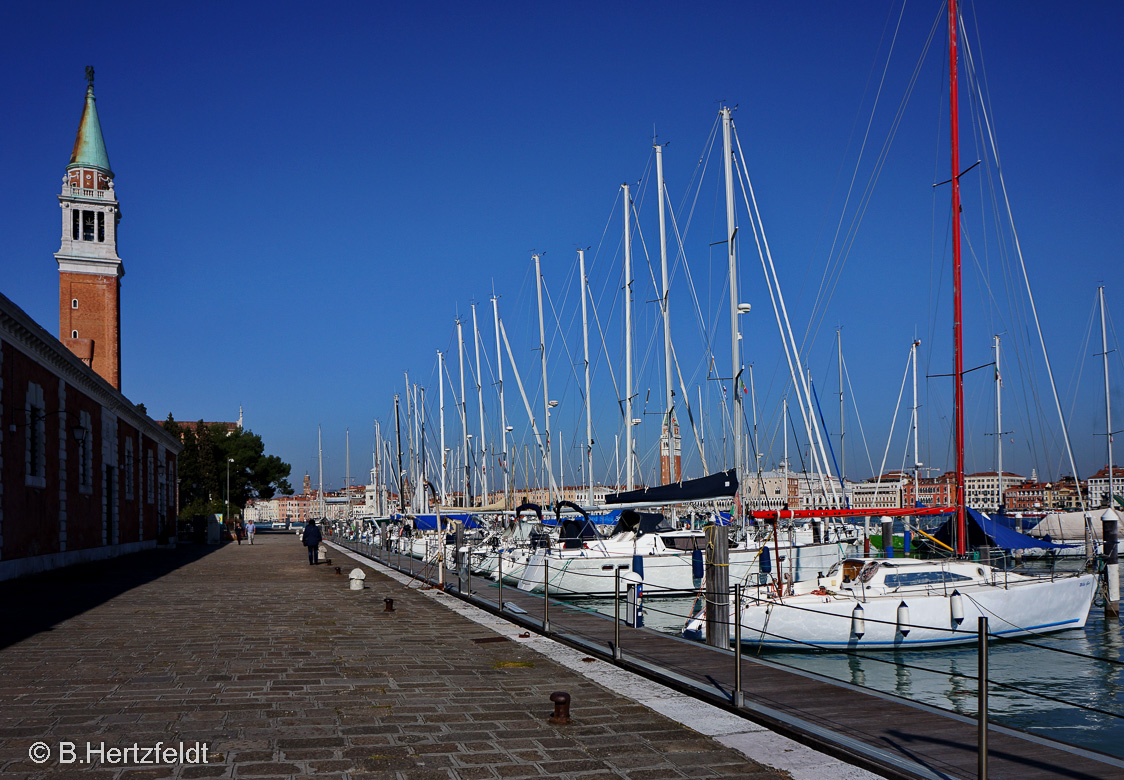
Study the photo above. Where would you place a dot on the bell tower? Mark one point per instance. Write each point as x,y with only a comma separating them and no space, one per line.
89,269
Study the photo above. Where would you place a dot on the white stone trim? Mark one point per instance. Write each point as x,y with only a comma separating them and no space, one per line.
21,567
35,428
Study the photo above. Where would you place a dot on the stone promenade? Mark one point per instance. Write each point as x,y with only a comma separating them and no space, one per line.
281,671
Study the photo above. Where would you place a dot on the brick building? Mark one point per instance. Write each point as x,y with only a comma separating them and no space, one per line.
84,473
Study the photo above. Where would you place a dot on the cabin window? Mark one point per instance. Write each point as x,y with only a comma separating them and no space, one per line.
101,226
87,226
915,578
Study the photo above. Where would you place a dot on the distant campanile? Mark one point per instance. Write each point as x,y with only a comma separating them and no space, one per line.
89,269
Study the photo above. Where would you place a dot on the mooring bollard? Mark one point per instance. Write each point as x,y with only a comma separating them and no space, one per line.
981,747
388,605
356,578
561,716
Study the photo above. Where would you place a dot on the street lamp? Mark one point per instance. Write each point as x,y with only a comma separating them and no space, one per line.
227,513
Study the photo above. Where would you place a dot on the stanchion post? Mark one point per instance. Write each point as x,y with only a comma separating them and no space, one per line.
499,576
739,697
981,747
546,595
617,614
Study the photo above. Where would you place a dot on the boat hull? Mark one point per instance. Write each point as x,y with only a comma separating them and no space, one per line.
592,573
828,622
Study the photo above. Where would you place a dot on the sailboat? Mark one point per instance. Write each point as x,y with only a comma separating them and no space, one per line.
897,603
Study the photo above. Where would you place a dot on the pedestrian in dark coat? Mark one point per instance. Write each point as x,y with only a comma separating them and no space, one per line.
311,539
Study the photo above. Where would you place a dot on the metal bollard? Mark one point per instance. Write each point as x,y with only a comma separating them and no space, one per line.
388,605
561,716
981,747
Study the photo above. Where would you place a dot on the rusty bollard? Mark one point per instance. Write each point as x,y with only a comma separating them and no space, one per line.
561,716
389,605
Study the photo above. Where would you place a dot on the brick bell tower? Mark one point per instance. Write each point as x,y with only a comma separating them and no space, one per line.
89,269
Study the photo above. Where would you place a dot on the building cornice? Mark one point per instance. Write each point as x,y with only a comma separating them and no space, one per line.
93,266
25,334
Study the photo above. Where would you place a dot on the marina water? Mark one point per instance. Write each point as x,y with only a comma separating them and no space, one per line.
1060,696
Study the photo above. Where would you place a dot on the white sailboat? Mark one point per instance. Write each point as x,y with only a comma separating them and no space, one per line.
896,603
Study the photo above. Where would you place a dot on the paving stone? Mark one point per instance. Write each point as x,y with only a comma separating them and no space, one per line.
283,672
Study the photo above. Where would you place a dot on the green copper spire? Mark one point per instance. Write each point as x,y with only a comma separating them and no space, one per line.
89,148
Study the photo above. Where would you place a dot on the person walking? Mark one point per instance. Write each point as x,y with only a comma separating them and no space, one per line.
250,531
239,531
311,539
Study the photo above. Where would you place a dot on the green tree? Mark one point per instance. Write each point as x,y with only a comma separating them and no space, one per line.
208,450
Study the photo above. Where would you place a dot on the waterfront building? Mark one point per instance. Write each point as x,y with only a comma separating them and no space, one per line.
1099,487
885,492
982,488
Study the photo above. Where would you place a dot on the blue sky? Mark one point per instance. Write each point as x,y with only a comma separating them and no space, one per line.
312,193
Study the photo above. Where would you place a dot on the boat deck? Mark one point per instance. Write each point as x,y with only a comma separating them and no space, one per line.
884,733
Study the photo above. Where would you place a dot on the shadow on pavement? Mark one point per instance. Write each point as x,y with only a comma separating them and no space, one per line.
36,603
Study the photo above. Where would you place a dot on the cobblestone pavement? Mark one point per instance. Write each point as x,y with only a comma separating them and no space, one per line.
282,671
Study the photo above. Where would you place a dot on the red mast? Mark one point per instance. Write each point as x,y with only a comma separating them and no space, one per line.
957,321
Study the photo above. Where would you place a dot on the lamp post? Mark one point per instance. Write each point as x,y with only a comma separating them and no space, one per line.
228,462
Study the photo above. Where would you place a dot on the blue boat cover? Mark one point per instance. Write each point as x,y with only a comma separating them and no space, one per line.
982,530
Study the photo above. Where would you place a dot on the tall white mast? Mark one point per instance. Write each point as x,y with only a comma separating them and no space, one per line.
999,428
527,407
735,336
423,466
548,458
347,460
419,486
630,481
441,401
784,429
503,412
410,434
464,419
480,397
320,456
669,413
1107,400
585,346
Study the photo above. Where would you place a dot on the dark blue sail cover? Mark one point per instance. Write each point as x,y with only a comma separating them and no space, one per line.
723,484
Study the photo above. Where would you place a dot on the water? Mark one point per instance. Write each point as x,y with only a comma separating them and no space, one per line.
941,677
